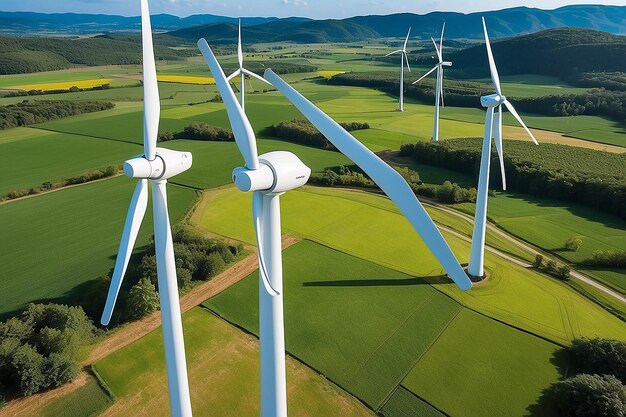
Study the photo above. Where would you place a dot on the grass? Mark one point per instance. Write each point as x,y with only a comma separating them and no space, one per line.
49,157
483,367
614,278
87,401
223,372
64,85
367,226
72,237
403,403
360,324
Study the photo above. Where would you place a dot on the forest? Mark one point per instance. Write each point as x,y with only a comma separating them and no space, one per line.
30,112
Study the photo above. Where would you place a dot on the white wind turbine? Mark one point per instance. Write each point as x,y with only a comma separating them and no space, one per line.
277,172
493,103
156,165
403,56
439,82
242,71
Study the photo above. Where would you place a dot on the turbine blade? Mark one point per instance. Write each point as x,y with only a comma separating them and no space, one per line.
242,130
386,177
497,135
136,212
239,48
426,75
515,114
437,49
407,39
394,52
406,58
253,75
443,29
233,75
152,106
257,215
495,79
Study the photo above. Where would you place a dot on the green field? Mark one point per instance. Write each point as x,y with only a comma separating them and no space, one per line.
72,237
223,373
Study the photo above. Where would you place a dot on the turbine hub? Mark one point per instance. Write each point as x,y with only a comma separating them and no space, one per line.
446,64
167,164
278,172
492,100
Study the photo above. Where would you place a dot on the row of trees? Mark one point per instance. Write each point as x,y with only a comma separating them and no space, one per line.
199,131
72,89
585,176
608,259
197,259
598,388
303,132
551,267
49,185
38,349
30,112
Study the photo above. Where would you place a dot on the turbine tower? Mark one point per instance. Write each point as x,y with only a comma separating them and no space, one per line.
439,82
242,71
403,56
156,165
274,173
493,103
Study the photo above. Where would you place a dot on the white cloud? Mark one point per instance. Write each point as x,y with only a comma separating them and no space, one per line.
296,3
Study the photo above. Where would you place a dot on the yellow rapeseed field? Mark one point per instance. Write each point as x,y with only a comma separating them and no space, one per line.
329,74
63,85
185,79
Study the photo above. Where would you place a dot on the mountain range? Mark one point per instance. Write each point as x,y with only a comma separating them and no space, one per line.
502,23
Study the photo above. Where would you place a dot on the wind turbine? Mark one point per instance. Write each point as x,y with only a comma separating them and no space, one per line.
493,103
156,165
242,71
439,85
403,56
277,172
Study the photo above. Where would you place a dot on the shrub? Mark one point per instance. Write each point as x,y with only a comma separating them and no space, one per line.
600,356
551,266
211,266
563,272
202,131
27,366
148,268
59,369
538,262
142,299
573,244
591,396
184,278
451,193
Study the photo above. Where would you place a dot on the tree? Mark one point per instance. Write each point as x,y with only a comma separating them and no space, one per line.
148,267
211,266
563,272
551,266
59,369
27,366
142,299
591,396
538,261
600,356
573,244
184,278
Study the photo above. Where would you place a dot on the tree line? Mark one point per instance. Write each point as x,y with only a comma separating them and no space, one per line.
303,132
38,111
199,131
592,178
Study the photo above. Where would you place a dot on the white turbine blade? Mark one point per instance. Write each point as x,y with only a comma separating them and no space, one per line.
242,130
382,174
492,64
406,57
394,52
239,48
426,75
257,214
510,107
136,212
443,29
151,104
437,49
233,75
253,75
406,40
497,136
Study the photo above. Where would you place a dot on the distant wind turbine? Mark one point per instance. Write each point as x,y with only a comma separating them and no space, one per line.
156,165
493,103
242,71
439,85
403,56
274,173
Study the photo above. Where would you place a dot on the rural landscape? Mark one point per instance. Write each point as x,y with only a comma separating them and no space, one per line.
375,323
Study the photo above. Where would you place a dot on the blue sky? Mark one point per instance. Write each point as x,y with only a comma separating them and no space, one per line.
309,8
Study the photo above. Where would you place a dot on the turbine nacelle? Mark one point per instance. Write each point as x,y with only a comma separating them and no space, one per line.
492,100
446,64
165,165
278,172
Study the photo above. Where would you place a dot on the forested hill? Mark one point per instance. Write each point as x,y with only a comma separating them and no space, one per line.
24,55
560,52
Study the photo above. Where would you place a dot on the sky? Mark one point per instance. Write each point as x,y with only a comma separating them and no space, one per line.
317,9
